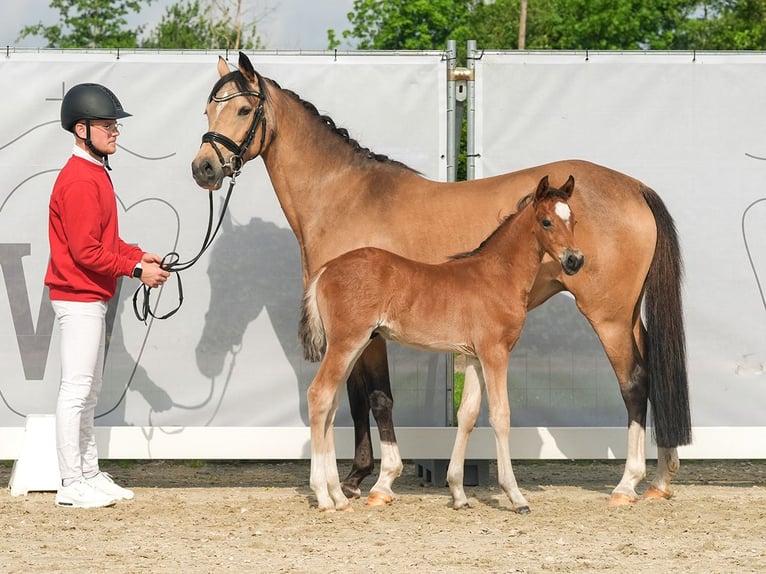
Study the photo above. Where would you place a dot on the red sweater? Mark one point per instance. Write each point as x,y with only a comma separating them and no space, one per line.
87,254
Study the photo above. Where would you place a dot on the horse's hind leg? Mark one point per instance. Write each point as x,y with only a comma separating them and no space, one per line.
623,354
635,394
667,467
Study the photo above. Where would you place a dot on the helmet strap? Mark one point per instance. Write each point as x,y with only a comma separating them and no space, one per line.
91,147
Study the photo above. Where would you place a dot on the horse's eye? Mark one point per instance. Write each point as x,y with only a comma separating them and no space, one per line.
547,223
244,111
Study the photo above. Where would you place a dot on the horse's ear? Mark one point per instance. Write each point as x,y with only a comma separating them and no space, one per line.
246,67
542,188
568,188
223,67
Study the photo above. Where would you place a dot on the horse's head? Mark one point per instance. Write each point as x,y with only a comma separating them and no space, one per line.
236,124
555,224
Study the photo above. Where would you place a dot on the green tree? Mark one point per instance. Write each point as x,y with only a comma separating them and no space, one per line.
406,24
558,24
196,24
730,25
90,24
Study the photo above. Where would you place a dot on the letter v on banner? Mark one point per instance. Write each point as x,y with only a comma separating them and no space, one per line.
34,343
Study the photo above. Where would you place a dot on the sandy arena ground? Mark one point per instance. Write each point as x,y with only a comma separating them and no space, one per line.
211,517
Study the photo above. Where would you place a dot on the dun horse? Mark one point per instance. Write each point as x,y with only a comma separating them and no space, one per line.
475,304
338,196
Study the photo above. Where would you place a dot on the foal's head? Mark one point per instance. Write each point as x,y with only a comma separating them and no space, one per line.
555,224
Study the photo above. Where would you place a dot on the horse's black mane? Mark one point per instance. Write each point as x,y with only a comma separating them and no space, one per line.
523,202
242,85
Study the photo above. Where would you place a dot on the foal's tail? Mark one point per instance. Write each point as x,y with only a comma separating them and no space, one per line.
312,332
665,348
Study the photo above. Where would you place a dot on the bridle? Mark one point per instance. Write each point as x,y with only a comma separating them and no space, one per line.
235,161
170,262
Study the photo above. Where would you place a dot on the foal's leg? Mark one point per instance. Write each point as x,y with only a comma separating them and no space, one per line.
322,401
470,404
495,367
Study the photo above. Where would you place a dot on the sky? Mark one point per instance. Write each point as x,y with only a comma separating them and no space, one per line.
282,25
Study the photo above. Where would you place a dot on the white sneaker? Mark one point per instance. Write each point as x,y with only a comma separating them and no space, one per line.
104,482
80,494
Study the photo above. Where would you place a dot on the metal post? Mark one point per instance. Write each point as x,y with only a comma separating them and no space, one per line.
470,147
451,174
451,56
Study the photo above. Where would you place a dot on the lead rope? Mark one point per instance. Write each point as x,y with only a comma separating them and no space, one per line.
170,262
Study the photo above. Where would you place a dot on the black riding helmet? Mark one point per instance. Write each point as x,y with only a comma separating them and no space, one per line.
90,102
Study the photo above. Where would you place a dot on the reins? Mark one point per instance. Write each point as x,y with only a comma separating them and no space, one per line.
170,262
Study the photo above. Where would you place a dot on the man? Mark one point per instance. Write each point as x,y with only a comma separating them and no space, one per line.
87,256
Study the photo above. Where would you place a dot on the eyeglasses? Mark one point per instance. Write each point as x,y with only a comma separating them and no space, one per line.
109,128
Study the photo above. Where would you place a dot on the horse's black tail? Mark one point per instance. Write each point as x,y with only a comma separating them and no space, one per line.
311,331
665,341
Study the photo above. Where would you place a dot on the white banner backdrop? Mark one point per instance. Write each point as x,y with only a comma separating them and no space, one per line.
230,356
691,126
224,378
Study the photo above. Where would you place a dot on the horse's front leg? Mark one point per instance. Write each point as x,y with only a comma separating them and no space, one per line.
467,414
363,463
322,402
372,369
495,367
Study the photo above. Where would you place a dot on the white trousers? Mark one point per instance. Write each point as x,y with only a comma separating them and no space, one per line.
82,363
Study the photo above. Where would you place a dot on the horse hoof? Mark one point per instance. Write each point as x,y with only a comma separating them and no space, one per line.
351,492
620,499
522,510
654,493
379,499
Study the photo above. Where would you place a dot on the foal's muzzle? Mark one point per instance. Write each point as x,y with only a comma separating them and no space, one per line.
572,261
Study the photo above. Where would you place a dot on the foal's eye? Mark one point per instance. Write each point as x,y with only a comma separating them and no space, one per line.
244,111
547,223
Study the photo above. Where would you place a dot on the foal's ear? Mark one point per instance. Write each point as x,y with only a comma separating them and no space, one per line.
246,67
568,188
223,66
542,188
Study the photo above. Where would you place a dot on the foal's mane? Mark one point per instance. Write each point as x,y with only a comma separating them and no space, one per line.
242,85
523,202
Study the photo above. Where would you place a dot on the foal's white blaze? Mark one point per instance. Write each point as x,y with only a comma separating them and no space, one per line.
563,211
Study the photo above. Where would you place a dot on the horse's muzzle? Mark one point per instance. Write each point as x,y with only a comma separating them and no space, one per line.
572,261
208,174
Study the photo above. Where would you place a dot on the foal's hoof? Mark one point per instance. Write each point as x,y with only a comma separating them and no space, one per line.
654,493
620,499
522,510
379,499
